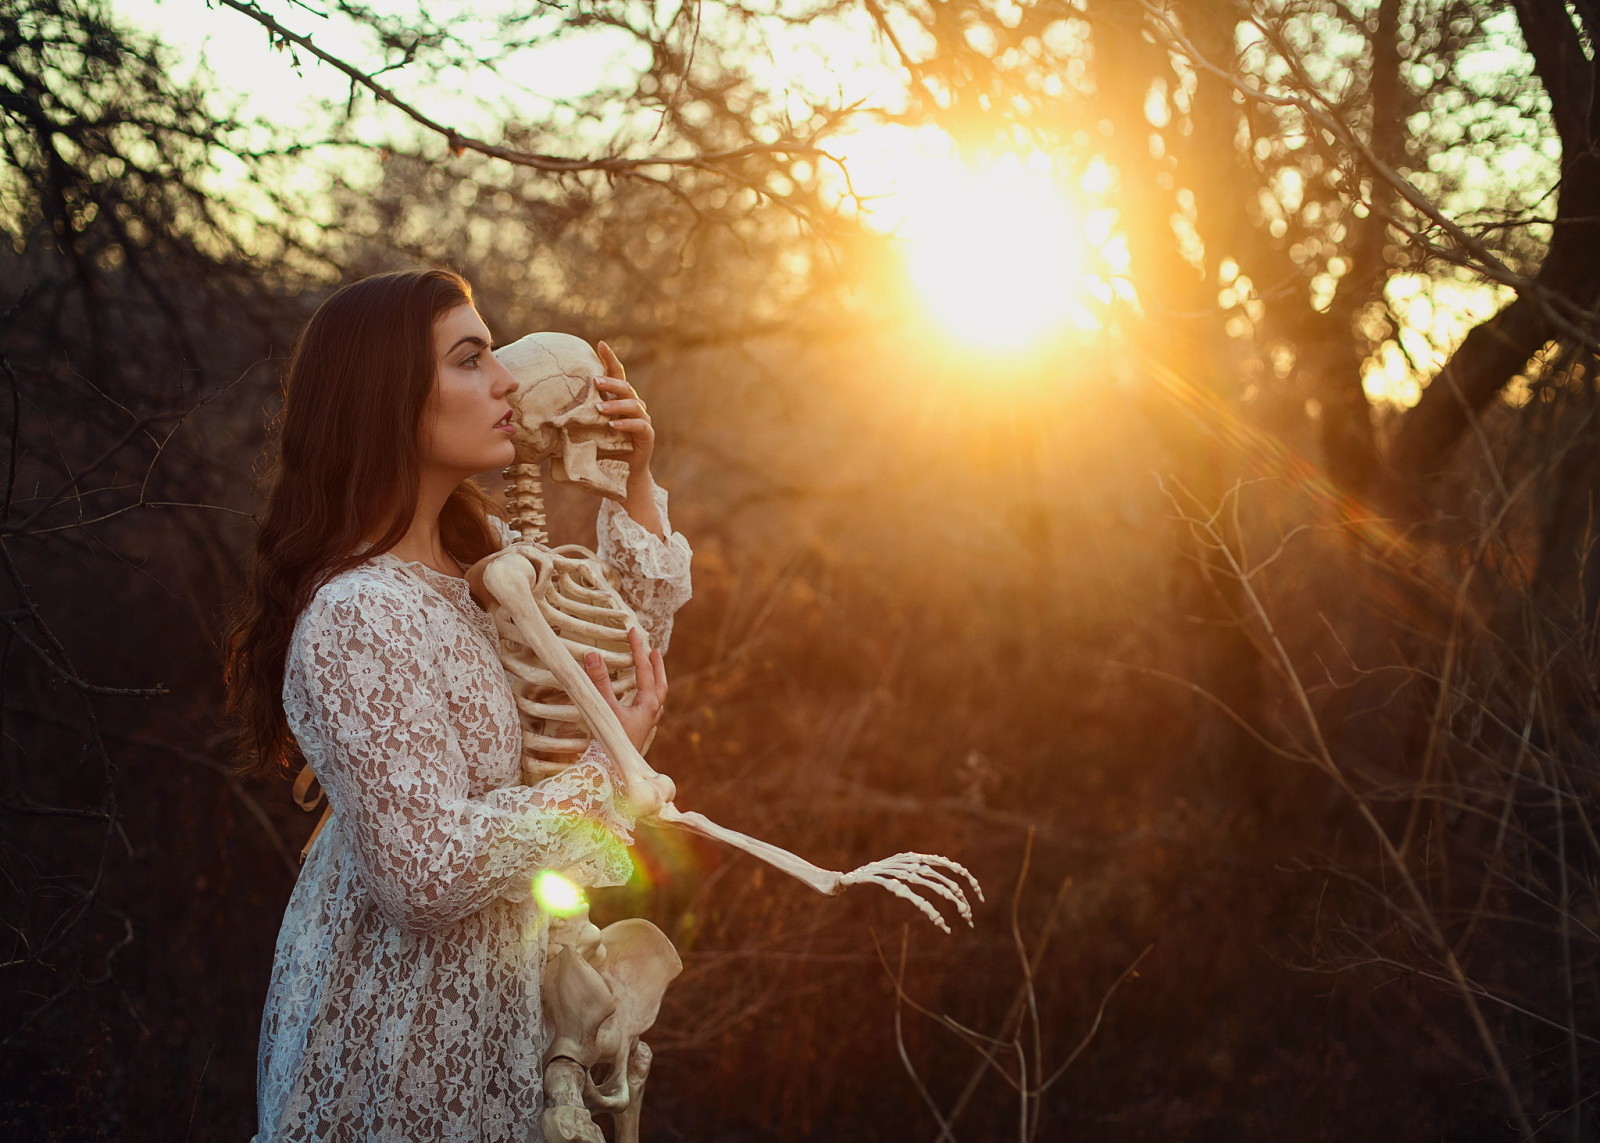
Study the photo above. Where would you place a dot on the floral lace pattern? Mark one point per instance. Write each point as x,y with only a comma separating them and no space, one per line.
653,574
404,1002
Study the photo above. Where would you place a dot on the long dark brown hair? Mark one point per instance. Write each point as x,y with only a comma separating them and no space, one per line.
347,468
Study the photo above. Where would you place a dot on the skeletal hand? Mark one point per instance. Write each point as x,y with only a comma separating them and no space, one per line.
638,716
909,875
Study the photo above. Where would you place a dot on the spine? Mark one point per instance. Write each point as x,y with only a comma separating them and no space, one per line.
525,502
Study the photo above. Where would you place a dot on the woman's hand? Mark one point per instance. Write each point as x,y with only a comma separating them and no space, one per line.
642,711
649,791
629,415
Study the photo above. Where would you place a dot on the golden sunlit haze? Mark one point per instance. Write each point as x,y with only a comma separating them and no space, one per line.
1002,252
1434,316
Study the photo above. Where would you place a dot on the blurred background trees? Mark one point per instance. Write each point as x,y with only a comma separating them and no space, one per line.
1234,620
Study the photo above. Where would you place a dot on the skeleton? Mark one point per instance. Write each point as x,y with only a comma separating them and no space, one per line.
558,420
552,607
602,989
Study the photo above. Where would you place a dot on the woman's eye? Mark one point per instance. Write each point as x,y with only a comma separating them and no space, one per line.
470,361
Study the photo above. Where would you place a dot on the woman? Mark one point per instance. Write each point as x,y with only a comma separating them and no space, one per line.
404,1002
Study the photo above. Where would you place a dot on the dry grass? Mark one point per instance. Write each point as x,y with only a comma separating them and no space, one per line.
1312,859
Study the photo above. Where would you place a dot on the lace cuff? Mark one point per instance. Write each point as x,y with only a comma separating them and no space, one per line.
653,573
595,845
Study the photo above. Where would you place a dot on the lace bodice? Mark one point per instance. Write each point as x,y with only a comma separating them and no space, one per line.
404,1002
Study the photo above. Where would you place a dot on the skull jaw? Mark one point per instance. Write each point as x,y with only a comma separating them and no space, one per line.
582,464
591,461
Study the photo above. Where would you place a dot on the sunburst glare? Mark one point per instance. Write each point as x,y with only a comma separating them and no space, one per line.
996,252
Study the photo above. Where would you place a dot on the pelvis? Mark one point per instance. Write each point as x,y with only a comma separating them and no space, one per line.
602,991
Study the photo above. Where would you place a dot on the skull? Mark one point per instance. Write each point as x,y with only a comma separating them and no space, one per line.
558,416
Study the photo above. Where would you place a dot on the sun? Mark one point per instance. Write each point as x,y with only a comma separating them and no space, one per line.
996,252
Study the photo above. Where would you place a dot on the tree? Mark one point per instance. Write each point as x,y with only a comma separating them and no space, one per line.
1290,178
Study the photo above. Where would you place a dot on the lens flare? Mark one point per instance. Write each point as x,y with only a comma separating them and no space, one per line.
556,895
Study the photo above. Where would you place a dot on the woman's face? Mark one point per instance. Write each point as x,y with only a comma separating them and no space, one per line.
467,424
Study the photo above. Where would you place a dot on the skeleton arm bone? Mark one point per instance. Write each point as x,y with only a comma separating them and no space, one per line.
907,875
897,874
645,789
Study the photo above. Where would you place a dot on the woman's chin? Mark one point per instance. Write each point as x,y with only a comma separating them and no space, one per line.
499,458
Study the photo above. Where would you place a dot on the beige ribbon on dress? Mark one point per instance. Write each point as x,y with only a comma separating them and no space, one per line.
303,783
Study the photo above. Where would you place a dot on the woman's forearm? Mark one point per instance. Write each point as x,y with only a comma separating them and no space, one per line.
640,503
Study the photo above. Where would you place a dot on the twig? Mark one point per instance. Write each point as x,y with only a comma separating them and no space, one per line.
458,141
1422,917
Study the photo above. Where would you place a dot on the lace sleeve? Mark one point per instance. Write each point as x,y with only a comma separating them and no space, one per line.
364,697
652,573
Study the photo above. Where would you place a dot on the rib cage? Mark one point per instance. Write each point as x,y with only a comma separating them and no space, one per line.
588,614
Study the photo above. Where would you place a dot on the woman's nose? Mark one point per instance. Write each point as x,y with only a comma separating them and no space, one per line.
502,384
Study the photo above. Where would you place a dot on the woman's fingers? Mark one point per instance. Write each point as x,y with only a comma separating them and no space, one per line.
601,678
635,427
647,681
649,673
641,677
615,387
643,710
626,408
610,360
628,414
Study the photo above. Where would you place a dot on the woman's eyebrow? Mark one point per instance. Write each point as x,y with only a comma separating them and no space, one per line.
470,339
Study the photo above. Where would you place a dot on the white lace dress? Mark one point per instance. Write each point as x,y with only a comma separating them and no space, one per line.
404,1003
